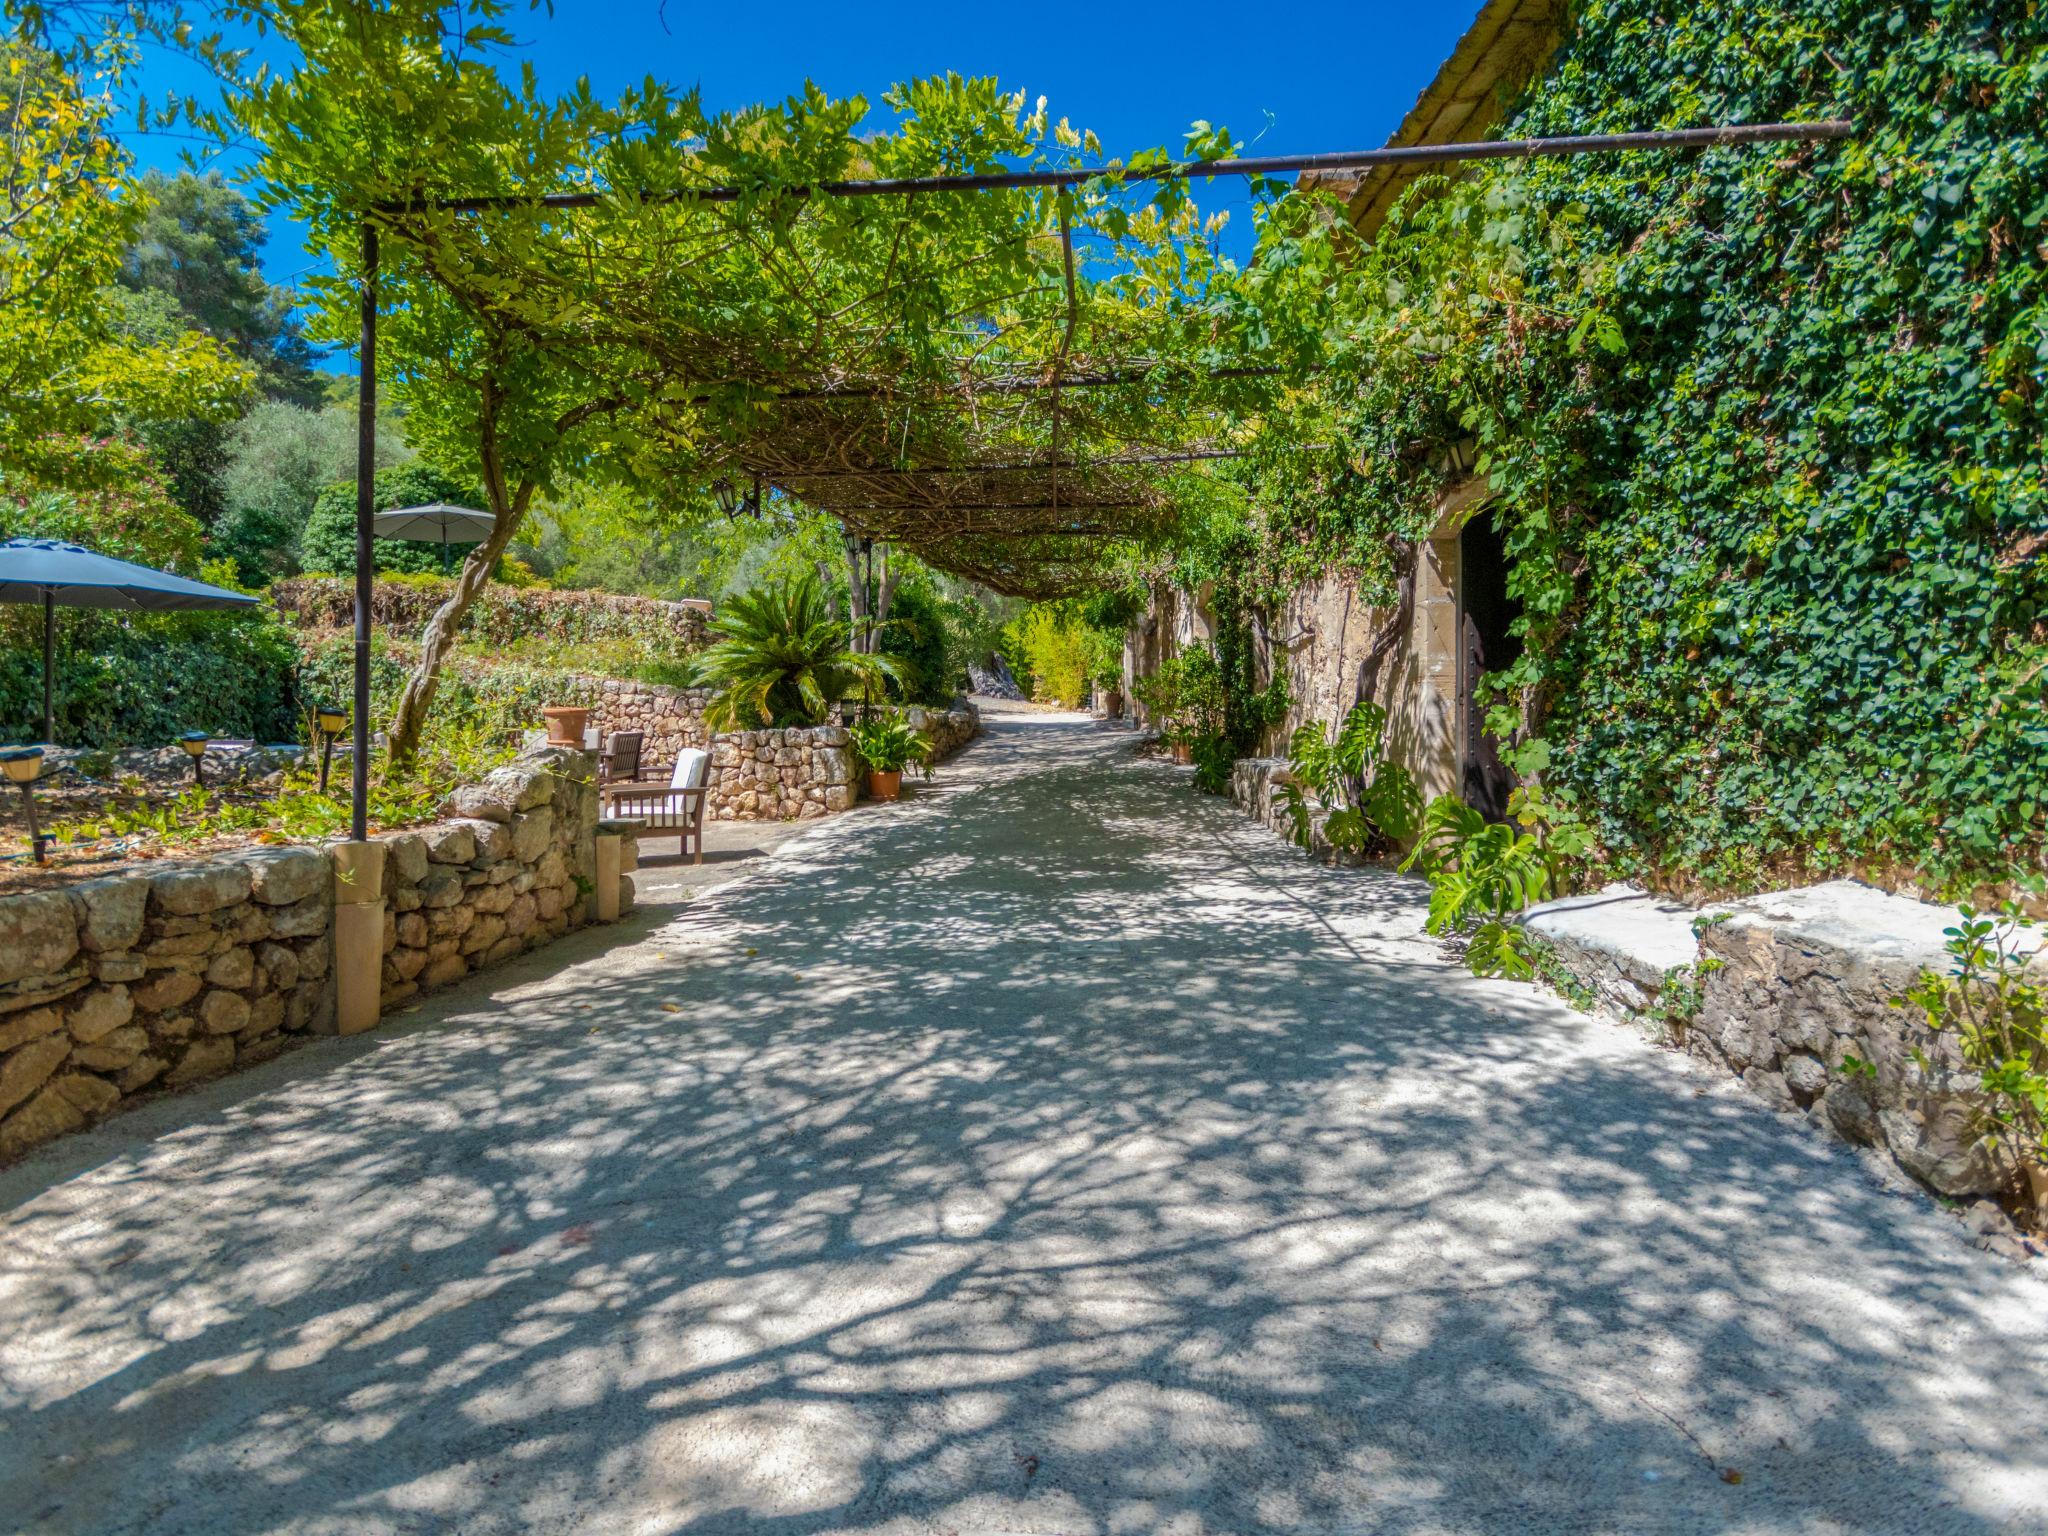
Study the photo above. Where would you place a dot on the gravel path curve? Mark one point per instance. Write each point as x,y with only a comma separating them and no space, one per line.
1055,1153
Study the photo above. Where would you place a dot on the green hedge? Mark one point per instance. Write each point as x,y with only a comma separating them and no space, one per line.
142,681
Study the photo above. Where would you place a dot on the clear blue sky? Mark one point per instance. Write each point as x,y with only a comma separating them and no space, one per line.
1301,78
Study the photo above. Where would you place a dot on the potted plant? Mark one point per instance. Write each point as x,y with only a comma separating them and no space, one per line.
887,745
566,723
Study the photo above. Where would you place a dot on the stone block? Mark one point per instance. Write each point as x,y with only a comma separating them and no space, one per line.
407,900
548,902
451,922
266,1016
48,1114
38,934
444,970
450,842
91,1096
405,860
531,834
315,956
187,890
493,841
167,989
441,889
485,932
1806,1076
207,1056
224,1012
504,949
34,991
839,797
28,1066
404,964
279,964
302,919
232,968
20,1028
110,911
99,1012
493,898
279,877
412,930
140,1074
478,802
520,914
123,966
174,946
113,1051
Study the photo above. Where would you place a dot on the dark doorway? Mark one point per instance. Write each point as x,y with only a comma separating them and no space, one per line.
1485,644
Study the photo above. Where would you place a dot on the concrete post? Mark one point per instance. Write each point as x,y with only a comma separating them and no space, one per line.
358,935
607,879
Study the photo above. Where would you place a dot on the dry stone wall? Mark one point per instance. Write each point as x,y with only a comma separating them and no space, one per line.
180,972
799,773
1782,990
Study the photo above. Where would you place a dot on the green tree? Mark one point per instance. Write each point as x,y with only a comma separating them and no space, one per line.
329,542
68,206
199,243
279,458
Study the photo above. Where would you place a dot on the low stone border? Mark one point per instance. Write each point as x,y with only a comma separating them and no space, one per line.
179,972
1781,990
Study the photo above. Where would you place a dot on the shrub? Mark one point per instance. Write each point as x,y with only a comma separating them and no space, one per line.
1056,654
916,634
1372,803
779,657
329,541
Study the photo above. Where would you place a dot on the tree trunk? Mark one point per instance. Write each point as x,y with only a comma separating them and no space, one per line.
409,719
858,638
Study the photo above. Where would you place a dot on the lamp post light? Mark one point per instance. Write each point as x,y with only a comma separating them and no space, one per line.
24,765
195,743
330,722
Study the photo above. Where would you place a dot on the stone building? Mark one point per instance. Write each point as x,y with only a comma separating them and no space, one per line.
1421,660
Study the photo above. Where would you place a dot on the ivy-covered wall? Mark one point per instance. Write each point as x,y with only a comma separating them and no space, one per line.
1806,578
1764,427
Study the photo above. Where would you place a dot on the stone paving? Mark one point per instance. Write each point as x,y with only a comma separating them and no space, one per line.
1055,1152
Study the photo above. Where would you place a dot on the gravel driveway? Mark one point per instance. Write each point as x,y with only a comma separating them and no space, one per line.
1057,1153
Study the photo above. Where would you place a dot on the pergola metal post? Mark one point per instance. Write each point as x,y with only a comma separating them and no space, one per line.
366,509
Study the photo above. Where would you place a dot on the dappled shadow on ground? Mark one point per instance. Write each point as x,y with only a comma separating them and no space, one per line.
1056,1154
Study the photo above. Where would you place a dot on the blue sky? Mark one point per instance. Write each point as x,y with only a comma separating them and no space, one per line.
1300,78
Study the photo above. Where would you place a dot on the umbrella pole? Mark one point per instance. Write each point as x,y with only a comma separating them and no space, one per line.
444,549
49,666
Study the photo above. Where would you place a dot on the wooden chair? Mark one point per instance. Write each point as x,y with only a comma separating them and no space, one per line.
678,809
619,763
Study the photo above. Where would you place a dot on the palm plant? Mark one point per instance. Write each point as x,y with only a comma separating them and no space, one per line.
780,657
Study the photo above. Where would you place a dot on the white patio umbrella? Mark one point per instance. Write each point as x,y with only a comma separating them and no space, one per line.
435,523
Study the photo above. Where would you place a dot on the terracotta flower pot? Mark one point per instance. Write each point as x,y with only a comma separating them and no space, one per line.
566,723
884,786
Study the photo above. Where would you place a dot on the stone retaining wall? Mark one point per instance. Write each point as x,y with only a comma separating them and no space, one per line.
1781,990
799,773
180,972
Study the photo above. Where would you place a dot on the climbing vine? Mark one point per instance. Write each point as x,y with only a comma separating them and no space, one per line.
1765,429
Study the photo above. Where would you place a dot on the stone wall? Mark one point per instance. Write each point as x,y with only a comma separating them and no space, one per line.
179,972
776,775
1781,990
514,869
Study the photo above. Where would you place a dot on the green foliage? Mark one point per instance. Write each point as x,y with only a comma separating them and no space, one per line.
887,744
1370,803
916,635
1482,872
1996,1007
1765,428
198,242
329,541
68,365
278,459
778,658
1056,651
